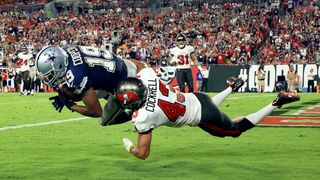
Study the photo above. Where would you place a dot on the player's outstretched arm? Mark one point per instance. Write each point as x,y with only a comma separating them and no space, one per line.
92,106
196,62
142,150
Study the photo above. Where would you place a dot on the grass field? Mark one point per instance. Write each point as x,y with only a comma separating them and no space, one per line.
84,150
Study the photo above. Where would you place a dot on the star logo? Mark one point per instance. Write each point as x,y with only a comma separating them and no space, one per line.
51,56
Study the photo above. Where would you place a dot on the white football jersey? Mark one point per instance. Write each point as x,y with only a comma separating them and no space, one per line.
182,56
165,106
25,57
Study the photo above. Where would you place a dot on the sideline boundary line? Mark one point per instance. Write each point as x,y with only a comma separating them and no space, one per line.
42,123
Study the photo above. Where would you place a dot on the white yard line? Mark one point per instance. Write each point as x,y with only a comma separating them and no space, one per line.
250,96
23,102
42,123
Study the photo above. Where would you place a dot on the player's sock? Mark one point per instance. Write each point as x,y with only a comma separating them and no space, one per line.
256,117
219,98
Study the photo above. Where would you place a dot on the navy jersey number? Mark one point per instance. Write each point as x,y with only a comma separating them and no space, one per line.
96,57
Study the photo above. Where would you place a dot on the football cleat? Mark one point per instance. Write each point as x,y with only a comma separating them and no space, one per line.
285,98
235,83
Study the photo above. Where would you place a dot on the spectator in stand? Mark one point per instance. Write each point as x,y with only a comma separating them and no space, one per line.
231,36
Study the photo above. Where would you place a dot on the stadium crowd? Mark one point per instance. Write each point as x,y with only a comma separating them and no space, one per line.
221,33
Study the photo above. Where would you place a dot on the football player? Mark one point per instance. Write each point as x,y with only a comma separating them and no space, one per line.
182,55
157,104
85,73
25,58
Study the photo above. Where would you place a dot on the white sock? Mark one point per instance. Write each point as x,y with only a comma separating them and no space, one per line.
219,98
256,117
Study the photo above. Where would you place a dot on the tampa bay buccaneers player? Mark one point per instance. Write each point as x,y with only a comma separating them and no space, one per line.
181,56
157,104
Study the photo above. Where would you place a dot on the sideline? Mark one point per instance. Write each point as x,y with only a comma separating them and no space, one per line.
43,123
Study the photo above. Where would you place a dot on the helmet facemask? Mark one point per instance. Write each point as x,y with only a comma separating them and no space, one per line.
181,44
51,64
181,41
54,77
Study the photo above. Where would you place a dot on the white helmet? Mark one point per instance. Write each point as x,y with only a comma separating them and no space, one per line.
51,64
166,74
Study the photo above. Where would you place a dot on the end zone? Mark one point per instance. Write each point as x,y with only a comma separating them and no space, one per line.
290,121
303,118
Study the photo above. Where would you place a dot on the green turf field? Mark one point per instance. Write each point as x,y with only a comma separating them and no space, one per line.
85,150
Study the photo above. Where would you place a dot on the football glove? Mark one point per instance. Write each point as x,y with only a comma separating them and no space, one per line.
57,103
127,143
60,101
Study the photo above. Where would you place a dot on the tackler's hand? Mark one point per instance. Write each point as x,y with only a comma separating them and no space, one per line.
127,143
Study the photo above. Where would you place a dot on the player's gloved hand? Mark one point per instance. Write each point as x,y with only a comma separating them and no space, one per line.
57,103
68,103
60,101
127,143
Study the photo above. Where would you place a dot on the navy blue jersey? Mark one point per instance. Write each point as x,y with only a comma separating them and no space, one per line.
92,67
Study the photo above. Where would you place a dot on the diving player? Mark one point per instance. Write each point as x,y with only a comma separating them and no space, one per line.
85,73
157,104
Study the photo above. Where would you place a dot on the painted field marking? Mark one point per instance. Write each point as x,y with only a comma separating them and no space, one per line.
22,102
297,112
42,123
248,97
309,117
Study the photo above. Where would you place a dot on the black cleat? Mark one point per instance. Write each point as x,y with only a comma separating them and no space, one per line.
235,83
285,98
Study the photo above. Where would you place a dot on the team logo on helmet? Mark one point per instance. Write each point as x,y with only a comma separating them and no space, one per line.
131,93
51,56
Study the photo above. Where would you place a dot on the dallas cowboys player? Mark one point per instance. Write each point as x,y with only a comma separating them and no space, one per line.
157,104
85,73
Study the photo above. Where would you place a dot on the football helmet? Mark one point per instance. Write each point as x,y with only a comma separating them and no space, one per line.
181,41
166,74
132,93
51,64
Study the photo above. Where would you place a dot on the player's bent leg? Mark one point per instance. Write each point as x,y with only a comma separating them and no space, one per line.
219,98
114,113
214,121
282,98
233,84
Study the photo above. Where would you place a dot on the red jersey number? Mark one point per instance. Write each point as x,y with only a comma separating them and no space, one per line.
183,59
172,110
